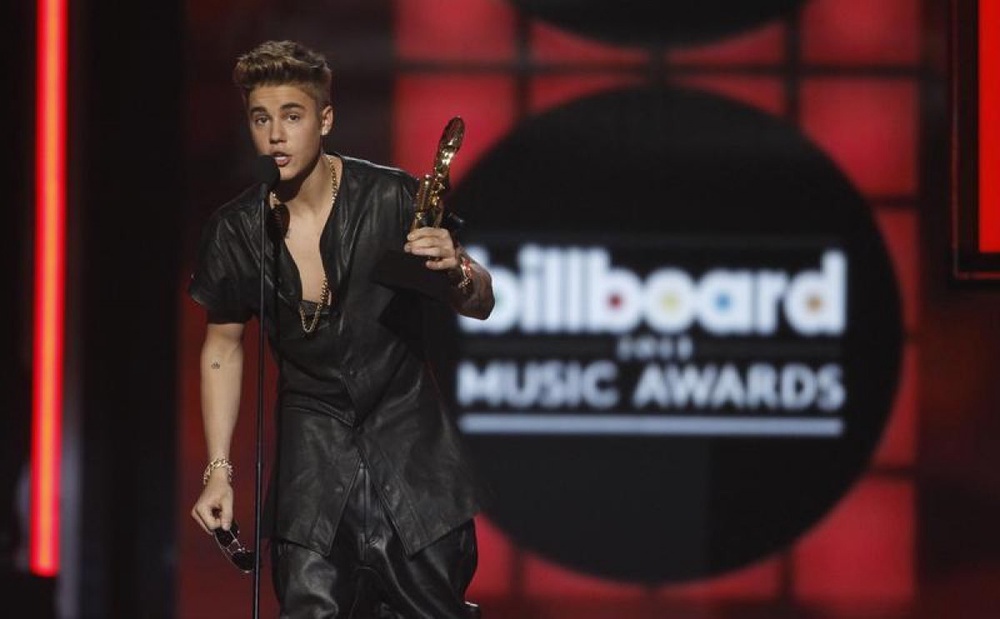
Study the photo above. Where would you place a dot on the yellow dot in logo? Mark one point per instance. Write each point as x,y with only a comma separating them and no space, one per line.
669,302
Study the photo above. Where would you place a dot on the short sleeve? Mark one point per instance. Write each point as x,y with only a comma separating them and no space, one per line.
407,201
215,282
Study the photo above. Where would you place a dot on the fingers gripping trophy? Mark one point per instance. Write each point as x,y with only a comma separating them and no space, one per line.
398,269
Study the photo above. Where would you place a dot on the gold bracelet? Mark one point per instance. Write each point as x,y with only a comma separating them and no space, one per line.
218,463
464,285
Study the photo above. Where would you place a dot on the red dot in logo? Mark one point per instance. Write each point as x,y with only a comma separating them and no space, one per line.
615,301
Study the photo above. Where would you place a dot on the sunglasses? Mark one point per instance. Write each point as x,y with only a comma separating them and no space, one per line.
230,545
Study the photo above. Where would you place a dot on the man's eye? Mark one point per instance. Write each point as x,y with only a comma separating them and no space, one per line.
294,117
260,120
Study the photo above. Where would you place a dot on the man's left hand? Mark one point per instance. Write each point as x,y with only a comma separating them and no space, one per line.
434,243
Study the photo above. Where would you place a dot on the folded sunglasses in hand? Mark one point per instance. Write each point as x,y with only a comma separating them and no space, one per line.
230,545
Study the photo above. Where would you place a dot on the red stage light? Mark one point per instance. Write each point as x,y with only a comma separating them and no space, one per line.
50,209
989,127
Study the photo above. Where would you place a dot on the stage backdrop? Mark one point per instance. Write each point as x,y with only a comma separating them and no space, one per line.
697,392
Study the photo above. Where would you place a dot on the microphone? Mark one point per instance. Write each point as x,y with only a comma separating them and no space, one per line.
265,172
266,175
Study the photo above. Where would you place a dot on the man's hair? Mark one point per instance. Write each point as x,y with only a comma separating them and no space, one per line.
276,63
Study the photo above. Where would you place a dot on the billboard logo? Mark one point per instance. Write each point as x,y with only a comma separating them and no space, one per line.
649,320
703,336
578,290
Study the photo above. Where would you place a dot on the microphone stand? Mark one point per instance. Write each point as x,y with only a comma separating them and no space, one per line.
268,175
259,462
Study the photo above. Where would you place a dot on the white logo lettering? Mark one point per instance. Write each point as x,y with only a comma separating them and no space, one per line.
579,290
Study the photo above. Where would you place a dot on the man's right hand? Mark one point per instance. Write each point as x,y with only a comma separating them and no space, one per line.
214,508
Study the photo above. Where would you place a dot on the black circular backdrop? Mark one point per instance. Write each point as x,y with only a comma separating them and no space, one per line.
653,509
641,22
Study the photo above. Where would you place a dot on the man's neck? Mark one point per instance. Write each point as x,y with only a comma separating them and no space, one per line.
311,196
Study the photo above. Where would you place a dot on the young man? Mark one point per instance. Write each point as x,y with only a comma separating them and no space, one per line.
371,483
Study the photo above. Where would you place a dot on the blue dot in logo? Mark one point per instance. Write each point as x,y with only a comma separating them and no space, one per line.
723,302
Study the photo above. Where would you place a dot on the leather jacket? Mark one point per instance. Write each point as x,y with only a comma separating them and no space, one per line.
356,388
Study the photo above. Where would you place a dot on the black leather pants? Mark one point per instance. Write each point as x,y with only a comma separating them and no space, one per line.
368,575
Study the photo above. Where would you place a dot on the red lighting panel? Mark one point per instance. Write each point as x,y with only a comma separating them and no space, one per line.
493,577
443,30
899,441
863,551
861,32
760,47
552,45
989,126
868,127
899,229
50,233
546,580
549,92
763,93
759,582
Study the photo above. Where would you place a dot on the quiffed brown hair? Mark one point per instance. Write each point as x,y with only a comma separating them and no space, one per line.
275,63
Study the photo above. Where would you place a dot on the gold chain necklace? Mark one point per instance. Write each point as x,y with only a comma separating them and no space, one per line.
309,325
324,296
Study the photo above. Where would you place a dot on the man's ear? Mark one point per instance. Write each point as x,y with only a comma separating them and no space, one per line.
326,120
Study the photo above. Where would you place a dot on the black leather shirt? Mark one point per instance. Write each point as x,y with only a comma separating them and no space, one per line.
356,388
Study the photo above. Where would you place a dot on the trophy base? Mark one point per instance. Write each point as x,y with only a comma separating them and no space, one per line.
402,271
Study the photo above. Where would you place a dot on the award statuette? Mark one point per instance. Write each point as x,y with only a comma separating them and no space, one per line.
398,269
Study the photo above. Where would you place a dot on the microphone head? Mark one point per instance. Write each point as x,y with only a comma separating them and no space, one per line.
265,171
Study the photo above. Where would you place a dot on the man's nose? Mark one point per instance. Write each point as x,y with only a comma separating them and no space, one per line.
277,133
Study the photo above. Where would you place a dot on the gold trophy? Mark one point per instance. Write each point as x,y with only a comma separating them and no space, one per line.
428,208
398,269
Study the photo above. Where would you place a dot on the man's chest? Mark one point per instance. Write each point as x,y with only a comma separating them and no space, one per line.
303,245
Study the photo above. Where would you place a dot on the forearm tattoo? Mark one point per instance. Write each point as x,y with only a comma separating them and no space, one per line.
216,365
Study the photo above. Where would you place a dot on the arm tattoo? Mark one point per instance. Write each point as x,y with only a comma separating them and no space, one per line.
216,365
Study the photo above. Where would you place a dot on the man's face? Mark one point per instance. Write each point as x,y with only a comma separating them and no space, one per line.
286,124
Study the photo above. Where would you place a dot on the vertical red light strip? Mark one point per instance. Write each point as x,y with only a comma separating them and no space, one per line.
989,126
50,211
